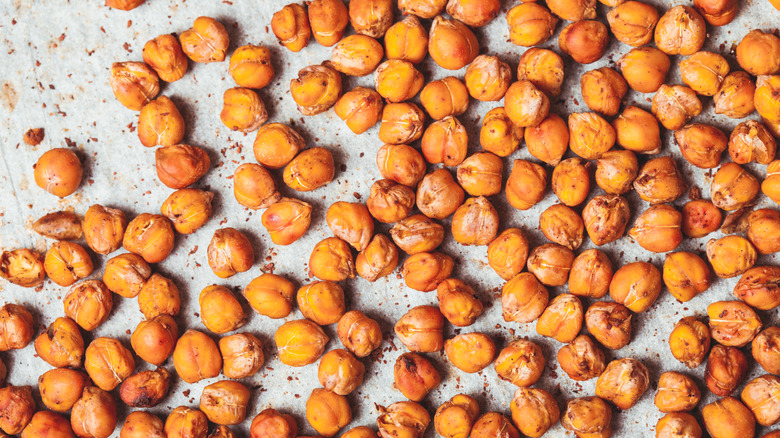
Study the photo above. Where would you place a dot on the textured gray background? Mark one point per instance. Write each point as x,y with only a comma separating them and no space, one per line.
56,56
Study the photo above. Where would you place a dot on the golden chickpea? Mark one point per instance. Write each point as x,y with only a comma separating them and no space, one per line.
402,419
310,170
58,171
458,302
644,68
717,12
276,145
220,311
61,345
508,253
636,285
603,90
407,40
498,134
690,341
328,20
534,411
637,130
154,340
680,31
331,259
676,393
327,412
445,141
339,371
562,319
455,417
196,357
321,302
389,201
549,140
758,287
658,229
520,363
402,123
134,84
159,296
733,323
351,222
401,164
760,396
108,363
206,41
300,342
762,230
66,263
587,417
61,388
242,355
49,425
475,222
371,18
767,102
360,108
230,252
573,10
700,217
562,225
141,424
124,5
701,144
623,382
420,329
675,105
242,110
609,323
591,274
581,359
585,41
149,236
759,53
184,422
475,13
451,44
771,184
356,55
633,22
424,271
88,304
494,424
488,78
686,275
525,104
728,418
417,233
751,141
225,402
179,166
397,80
523,298
551,263
734,99
358,333
164,55
733,187
415,376
764,350
704,72
250,66
590,135
94,414
60,225
571,181
187,209
470,352
659,181
270,423
678,424
104,228
145,389
726,368
481,174
445,97
616,171
291,27
526,184
605,218
160,123
16,327
287,220
316,89
530,24
379,259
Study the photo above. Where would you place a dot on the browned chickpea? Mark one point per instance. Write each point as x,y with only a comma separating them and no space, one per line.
523,298
733,323
424,271
690,341
230,252
475,13
551,263
526,184
400,163
637,130
397,80
759,53
534,411
475,222
525,104
187,209
588,417
149,236
451,44
543,68
733,187
700,217
585,41
358,333
420,329
145,389
164,55
317,87
549,140
134,84
104,228
644,68
609,323
291,27
701,144
605,218
94,414
415,376
407,40
616,171
108,363
445,141
360,108
530,24
154,340
48,425
763,230
339,371
678,424
250,66
276,145
571,181
765,351
141,424
562,319
767,103
590,135
220,311
728,418
675,105
636,286
242,110
458,302
356,55
61,388
331,259
300,342
179,166
242,355
371,17
680,31
160,123
402,123
310,170
508,253
481,174
270,423
623,382
760,396
603,90
659,181
159,296
751,141
582,359
734,99
58,171
417,233
66,263
351,222
206,41
196,357
492,425
16,327
327,412
591,274
184,422
758,287
771,184
658,229
520,363
686,275
445,97
321,302
498,134
562,225
633,22
704,72
470,352
88,304
717,12
287,220
726,368
455,417
328,19
389,201
379,259
676,393
60,225
225,402
402,419
61,345
487,77
573,10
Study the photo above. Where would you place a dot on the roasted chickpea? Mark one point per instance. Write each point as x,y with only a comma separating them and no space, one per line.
659,181
474,13
49,425
271,423
291,27
225,402
276,145
470,352
402,419
616,171
534,411
543,68
717,12
360,108
676,105
445,97
728,418
455,417
587,417
701,144
760,396
726,368
407,40
149,236
370,17
526,184
690,341
397,80
424,271
230,252
523,298
700,217
300,342
66,263
379,259
61,388
571,181
759,53
310,170
605,218
154,340
242,110
508,252
458,302
134,84
331,259
763,230
680,31
658,229
179,166
356,55
108,363
141,424
765,351
686,275
58,171
104,228
494,424
321,302
636,285
94,414
525,104
187,209
487,77
60,225
734,99
733,323
339,371
704,72
242,355
585,41
676,393
145,389
351,222
644,68
767,102
551,263
327,412
250,66
389,201
159,296
206,41
420,329
88,304
220,311
499,134
415,376
562,319
771,184
160,123
475,222
445,141
581,359
590,135
417,233
196,357
164,55
401,123
328,19
638,131
633,22
451,44
358,333
481,174
758,287
603,90
591,274
16,327
733,187
317,87
573,10
520,363
609,323
530,24
184,422
61,345
678,424
751,141
623,382
562,225
287,220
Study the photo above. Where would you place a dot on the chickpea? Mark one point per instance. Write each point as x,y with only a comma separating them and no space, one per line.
636,285
726,368
759,53
242,355
488,78
508,253
734,99
61,388
206,41
475,222
526,184
455,417
717,12
562,319
562,226
458,302
287,220
225,402
590,135
108,363
603,90
520,363
407,40
676,105
494,424
58,171
389,201
767,103
66,263
573,10
701,144
571,181
270,423
104,228
401,123
581,359
140,424
196,357
633,22
165,56
250,66
160,123
60,225
474,13
763,230
676,393
379,259
704,72
690,341
733,323
88,304
549,140
220,311
179,166
420,329
587,417
417,233
291,27
277,144
728,418
623,382
360,432
445,97
700,217
371,18
321,302
638,131
61,345
242,110
733,187
124,5
339,371
300,342
758,287
616,171
525,104
534,411
481,174
751,141
328,20
680,31
317,87
530,24
760,396
94,414
230,252
360,108
154,340
551,263
445,141
658,229
184,422
351,221
523,298
357,55
310,170
644,69
470,352
134,84
149,236
358,333
609,323
771,184
686,275
591,274
331,259
585,41
678,424
659,181
451,44
397,80
415,376
327,412
402,419
159,296
145,389
187,209
498,134
605,218
424,271
764,349
47,424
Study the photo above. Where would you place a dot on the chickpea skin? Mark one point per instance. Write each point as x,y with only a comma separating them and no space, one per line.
379,259
155,339
58,171
771,184
704,72
675,424
690,341
104,228
451,44
675,105
758,287
66,263
701,145
187,209
475,222
734,99
616,171
494,424
731,256
321,302
271,423
145,389
760,396
445,141
140,424
351,222
149,236
339,371
603,90
389,201
726,368
733,187
508,253
417,233
659,181
291,27
87,303
242,110
474,13
733,323
481,174
371,18
179,166
61,388
331,260
184,422
242,355
588,417
134,84
424,271
549,140
357,55
551,263
165,56
534,411
458,302
108,363
287,220
225,402
59,225
525,104
94,414
230,252
276,145
310,170
717,12
751,141
49,425
562,225
764,350
623,382
406,418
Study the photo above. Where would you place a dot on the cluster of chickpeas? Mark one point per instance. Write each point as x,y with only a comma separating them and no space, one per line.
407,185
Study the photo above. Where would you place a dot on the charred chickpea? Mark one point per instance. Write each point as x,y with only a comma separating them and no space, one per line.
733,187
356,55
287,220
562,225
351,222
633,22
562,319
271,423
420,329
704,72
549,140
603,90
760,396
445,97
379,259
590,135
179,166
543,68
530,24
520,363
220,311
389,201
494,424
475,222
300,342
523,298
551,263
733,323
605,218
154,339
159,296
415,376
196,357
767,101
401,123
728,418
758,287
445,141
94,414
87,303
623,382
60,225
637,130
66,263
417,233
525,104
328,19
763,230
690,341
659,181
573,10
140,424
407,40
230,252
571,181
108,363
327,412
591,274
636,285
331,260
700,217
455,417
658,229
61,388
609,323
499,134
160,123
424,271
321,302
145,389
242,110
458,302
676,393
734,99
675,105
316,89
104,228
771,184
358,333
726,368
360,108
310,170
206,41
225,402
508,252
470,352
765,351
134,84
291,27
276,145
751,141
397,80
187,209
686,275
678,424
585,41
339,371
582,359
644,68
164,55
407,419
717,12
616,171
487,78
759,53
481,174
680,31
701,145
242,355
475,13
184,422
58,171
370,17
250,66
526,185
451,44
588,417
61,345
49,425
534,411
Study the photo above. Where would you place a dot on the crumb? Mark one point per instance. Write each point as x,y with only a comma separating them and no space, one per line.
34,136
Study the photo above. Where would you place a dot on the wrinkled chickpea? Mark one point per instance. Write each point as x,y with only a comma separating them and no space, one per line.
523,298
316,89
242,110
585,41
402,419
154,339
58,171
549,140
141,424
759,53
66,263
573,10
379,259
763,230
751,141
160,123
534,411
680,31
551,263
603,90
165,56
291,27
397,80
562,319
179,166
415,376
331,260
458,302
230,252
16,327
310,170
420,329
242,355
159,296
206,41
701,144
61,388
530,24
424,271
767,102
356,55
658,229
675,105
145,389
50,425
609,323
636,285
571,181
150,236
94,414
339,371
225,402
61,345
591,274
108,363
616,171
358,333
328,20
726,368
402,123
633,22
637,130
360,432
488,78
389,201
728,418
734,99
588,417
659,181
526,184
451,44
494,424
764,349
676,393
134,84
581,359
401,163
678,424
644,68
104,228
543,68
498,134
521,363
474,13
562,225
250,66
525,104
686,275
733,323
475,222
717,12
60,225
590,135
760,396
276,145
455,417
360,108
184,422
196,357
187,209
407,40
700,217
445,141
327,412
470,352
771,184
445,97
605,218
220,311
370,17
417,233
623,382
351,222
287,220
758,287
690,341
508,253
733,187
88,304
704,72
300,342
321,302
481,174
271,423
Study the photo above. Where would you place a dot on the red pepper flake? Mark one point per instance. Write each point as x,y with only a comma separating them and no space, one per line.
62,37
129,23
126,46
194,250
13,21
37,63
70,143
